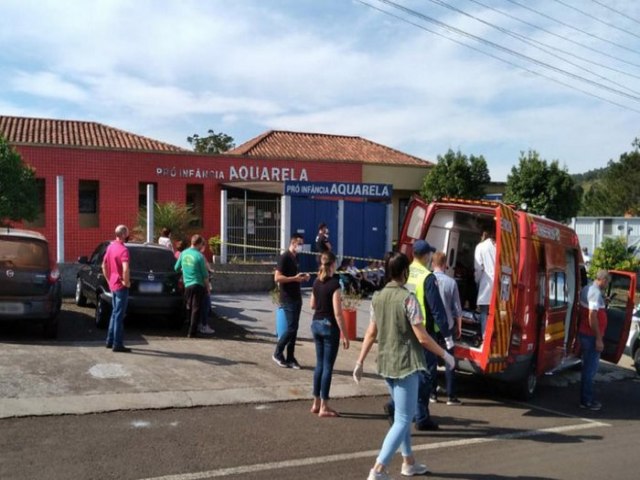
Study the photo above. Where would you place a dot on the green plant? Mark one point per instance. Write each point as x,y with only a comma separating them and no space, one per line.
351,299
176,217
613,254
214,244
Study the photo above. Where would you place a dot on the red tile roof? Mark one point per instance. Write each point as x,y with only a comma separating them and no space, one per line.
72,133
317,146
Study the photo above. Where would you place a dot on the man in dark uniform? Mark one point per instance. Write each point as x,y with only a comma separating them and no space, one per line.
289,280
322,240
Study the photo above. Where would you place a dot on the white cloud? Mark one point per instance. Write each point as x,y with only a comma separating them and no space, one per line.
167,69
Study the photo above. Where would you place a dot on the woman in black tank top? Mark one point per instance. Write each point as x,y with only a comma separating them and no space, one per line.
326,326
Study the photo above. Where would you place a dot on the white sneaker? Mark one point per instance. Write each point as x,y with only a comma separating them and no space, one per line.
207,330
373,475
415,469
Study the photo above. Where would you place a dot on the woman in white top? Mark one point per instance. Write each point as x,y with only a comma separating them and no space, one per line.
165,238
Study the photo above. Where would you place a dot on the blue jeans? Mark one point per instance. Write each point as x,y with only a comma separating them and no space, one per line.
327,340
484,313
404,392
590,360
292,312
427,381
115,334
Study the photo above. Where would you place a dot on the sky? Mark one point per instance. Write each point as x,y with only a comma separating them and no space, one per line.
486,77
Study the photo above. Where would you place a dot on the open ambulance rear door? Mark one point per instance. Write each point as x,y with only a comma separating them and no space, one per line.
414,226
620,294
497,338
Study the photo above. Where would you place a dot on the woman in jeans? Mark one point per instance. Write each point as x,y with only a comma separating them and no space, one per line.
326,326
397,323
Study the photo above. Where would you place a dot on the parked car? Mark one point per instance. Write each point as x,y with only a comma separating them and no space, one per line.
156,288
30,284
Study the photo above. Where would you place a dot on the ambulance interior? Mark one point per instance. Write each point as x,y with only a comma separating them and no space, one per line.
457,233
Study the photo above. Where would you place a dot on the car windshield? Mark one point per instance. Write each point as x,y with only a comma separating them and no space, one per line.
155,259
23,252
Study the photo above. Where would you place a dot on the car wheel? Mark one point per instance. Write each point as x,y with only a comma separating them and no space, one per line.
81,300
103,313
636,360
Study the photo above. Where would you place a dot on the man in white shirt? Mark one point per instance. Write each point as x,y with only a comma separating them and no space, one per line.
484,266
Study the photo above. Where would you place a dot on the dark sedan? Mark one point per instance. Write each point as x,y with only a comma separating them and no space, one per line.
156,288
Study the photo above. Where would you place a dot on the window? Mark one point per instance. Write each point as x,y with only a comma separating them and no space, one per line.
142,193
88,197
195,201
557,290
607,226
40,192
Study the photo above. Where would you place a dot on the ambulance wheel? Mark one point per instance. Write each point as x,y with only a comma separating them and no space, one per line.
525,388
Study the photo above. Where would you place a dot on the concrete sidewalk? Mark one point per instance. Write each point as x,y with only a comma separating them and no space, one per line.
52,378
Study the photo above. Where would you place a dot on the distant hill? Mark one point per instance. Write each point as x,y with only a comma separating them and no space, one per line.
589,177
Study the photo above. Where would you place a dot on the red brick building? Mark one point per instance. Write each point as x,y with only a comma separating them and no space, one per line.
105,172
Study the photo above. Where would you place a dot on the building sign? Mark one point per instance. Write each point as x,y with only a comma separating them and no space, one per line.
379,191
236,173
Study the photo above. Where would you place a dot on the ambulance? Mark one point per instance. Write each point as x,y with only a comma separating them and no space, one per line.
532,324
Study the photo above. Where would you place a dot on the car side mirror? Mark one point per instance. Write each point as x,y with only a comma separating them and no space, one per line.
83,259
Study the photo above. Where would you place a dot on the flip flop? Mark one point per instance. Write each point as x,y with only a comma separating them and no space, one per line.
328,414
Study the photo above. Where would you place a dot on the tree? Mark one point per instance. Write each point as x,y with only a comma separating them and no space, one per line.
213,143
18,187
545,188
613,254
618,190
456,176
176,217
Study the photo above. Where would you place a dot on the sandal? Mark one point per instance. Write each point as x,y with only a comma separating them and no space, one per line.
328,413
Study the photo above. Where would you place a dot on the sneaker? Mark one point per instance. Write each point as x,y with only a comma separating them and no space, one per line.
454,401
595,406
433,398
373,475
388,411
279,361
122,349
206,330
294,364
427,425
415,469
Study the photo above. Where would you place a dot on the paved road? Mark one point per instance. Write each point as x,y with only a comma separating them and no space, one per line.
249,424
489,437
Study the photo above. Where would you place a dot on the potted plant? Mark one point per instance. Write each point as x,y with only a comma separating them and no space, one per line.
214,245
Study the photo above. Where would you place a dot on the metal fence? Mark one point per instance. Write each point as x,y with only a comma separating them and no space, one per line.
253,223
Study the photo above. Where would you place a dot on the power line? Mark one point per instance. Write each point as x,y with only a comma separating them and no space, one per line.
616,11
528,70
587,14
564,24
533,43
508,50
567,39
